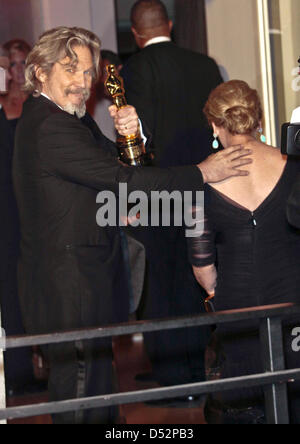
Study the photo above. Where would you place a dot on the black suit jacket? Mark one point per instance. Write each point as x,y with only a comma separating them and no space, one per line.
169,87
70,272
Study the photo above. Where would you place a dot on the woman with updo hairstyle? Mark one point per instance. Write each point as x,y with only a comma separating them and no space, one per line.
235,107
248,255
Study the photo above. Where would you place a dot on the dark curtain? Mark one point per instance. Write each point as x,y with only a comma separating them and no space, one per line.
190,30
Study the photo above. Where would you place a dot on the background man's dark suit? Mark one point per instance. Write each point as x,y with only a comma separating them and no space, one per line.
71,270
169,87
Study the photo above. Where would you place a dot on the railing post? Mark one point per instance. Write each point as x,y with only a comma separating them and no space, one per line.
272,351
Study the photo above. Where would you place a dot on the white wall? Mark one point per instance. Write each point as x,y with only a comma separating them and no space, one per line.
15,20
66,13
96,15
29,19
233,38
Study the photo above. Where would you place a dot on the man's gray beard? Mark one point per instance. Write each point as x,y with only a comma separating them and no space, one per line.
79,110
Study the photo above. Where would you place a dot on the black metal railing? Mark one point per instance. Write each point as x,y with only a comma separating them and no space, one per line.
274,380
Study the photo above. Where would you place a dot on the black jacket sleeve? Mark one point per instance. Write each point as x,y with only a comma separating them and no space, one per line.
68,150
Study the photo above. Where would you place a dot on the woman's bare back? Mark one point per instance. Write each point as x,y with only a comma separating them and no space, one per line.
265,172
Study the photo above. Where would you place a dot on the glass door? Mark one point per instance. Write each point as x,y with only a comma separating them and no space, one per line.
281,22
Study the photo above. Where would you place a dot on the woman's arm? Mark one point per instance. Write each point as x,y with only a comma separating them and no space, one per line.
207,278
202,252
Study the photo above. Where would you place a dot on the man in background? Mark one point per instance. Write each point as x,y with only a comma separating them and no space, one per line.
169,87
99,101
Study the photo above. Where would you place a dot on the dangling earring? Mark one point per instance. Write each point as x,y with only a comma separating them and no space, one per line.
215,144
263,138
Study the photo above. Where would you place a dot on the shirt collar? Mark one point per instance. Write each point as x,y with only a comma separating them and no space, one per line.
160,39
45,95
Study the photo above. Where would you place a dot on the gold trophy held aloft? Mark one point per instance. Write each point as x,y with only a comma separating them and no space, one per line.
131,148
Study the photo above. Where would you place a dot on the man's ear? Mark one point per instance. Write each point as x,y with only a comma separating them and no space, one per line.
138,39
134,32
171,24
40,74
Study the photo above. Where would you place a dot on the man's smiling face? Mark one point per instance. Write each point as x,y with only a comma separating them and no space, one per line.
69,84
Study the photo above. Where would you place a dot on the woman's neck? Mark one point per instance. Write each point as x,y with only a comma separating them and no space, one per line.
238,139
13,102
16,92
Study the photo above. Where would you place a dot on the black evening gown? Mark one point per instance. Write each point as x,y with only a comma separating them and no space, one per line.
18,363
258,260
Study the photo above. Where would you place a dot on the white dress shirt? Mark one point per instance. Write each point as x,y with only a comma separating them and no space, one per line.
160,39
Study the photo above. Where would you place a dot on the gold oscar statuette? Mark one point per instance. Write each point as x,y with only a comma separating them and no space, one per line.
131,148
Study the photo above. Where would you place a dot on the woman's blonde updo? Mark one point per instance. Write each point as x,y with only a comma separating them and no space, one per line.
235,107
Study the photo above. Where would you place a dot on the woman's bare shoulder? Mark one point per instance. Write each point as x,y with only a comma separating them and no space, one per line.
270,154
268,165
